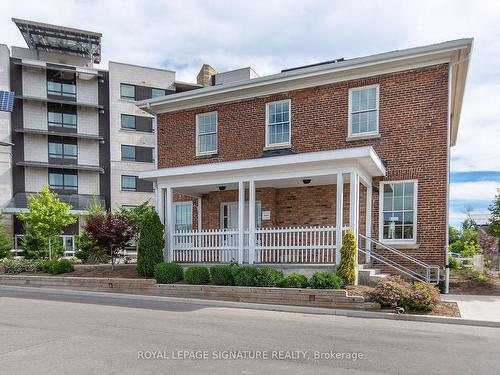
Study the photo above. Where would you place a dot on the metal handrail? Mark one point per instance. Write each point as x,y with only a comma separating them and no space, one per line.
415,275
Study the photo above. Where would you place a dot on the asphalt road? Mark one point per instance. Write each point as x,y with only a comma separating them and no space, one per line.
56,333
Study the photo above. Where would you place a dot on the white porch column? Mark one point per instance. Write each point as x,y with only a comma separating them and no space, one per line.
339,216
251,222
200,217
368,222
159,202
170,225
354,212
241,218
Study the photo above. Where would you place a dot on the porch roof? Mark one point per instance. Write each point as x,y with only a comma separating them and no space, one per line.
309,163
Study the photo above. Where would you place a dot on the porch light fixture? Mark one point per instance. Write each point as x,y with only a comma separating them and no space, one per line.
222,188
307,181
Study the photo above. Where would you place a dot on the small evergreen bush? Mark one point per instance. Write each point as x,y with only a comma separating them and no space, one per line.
197,275
222,275
295,280
347,266
269,277
150,245
56,267
168,273
325,280
245,275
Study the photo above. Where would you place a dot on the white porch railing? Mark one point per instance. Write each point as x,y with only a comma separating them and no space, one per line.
272,245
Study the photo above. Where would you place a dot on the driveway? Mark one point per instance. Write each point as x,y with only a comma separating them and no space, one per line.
54,333
476,307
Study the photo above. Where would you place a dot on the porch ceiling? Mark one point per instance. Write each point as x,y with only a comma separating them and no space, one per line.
278,171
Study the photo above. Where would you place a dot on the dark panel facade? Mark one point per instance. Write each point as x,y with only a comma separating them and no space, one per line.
104,150
16,84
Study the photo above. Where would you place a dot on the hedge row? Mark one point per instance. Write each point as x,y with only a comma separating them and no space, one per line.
234,275
15,266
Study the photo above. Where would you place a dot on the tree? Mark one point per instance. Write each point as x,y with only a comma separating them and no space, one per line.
5,241
494,222
47,216
347,266
110,231
151,244
453,235
137,214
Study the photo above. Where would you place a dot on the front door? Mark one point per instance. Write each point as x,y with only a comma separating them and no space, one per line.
229,215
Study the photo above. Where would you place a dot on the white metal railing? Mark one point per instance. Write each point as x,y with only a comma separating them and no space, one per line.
209,245
272,245
414,268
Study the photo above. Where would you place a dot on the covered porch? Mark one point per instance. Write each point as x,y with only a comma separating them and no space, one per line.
289,209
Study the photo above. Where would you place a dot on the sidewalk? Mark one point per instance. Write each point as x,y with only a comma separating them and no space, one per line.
476,307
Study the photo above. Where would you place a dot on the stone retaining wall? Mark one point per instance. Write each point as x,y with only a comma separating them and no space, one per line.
279,296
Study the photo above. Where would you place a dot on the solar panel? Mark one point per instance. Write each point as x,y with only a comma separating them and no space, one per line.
6,101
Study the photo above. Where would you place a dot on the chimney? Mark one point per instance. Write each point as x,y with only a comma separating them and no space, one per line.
205,75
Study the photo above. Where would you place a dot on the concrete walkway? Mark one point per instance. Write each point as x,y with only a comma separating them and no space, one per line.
476,307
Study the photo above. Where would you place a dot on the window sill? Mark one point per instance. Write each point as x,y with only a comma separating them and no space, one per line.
136,131
207,156
362,137
278,147
400,245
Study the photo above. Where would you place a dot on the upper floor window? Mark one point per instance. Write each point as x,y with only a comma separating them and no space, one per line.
128,122
128,152
62,120
157,92
129,183
278,124
206,133
63,181
399,211
127,91
67,89
363,110
63,151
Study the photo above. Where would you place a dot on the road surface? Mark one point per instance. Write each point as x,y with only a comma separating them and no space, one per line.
57,333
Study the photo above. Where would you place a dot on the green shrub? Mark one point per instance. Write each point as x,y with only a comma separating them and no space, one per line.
197,275
347,266
477,277
295,280
423,297
325,280
396,292
168,273
150,245
222,275
245,275
89,251
269,277
5,241
453,262
56,267
14,266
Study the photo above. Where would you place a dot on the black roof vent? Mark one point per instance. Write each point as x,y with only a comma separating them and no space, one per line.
311,65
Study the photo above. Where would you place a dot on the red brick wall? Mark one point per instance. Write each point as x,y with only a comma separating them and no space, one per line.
413,129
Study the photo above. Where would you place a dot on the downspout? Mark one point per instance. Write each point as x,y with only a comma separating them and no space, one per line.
448,152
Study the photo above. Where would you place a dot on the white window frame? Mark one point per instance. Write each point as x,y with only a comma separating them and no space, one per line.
282,144
349,127
184,203
412,241
198,153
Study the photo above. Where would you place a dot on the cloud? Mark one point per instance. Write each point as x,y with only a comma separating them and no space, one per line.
474,191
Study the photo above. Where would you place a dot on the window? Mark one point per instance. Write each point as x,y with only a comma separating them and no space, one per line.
129,183
206,133
278,123
363,111
63,181
63,150
153,155
62,120
398,211
128,122
56,88
183,216
127,91
157,92
128,152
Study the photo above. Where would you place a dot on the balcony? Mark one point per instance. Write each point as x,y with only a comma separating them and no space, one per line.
79,202
59,133
65,165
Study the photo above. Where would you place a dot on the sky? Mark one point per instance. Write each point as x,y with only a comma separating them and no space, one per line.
272,35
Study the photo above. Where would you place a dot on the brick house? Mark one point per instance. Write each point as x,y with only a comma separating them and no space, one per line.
271,170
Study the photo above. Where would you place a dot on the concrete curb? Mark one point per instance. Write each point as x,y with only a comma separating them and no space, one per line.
264,307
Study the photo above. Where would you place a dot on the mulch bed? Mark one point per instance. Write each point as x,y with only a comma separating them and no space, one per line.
460,284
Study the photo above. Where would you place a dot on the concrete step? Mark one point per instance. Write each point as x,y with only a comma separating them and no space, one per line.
370,276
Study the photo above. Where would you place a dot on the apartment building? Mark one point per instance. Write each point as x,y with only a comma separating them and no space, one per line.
74,125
